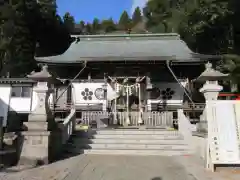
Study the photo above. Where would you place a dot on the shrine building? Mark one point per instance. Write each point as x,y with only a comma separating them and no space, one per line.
127,75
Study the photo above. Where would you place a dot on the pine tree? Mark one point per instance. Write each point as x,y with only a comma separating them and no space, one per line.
48,9
6,34
96,26
17,37
124,22
157,13
88,28
53,36
137,16
108,25
82,26
23,24
69,22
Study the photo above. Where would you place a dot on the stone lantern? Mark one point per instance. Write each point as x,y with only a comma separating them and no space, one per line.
40,125
43,90
210,90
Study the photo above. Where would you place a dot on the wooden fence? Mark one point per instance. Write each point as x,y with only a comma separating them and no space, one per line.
151,119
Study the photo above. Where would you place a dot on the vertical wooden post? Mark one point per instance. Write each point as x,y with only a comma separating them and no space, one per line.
139,104
127,104
115,110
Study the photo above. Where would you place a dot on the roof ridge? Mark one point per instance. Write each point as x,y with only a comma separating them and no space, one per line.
174,35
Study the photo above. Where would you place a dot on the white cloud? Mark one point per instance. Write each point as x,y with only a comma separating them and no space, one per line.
138,3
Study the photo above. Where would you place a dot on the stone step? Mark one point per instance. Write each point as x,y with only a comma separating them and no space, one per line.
127,141
129,146
133,152
136,132
135,136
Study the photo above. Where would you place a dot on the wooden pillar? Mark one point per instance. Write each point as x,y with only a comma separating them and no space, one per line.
127,122
148,91
140,121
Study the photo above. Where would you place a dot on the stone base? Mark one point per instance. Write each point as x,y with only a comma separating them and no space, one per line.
35,147
202,126
40,117
36,126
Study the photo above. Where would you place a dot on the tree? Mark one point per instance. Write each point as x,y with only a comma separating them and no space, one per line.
6,34
137,16
108,25
88,28
158,12
210,27
82,24
25,23
124,22
69,22
18,37
52,36
96,26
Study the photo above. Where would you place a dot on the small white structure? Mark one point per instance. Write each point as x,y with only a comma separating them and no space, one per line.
16,95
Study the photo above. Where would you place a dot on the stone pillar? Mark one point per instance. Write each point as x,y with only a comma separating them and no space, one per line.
211,90
36,138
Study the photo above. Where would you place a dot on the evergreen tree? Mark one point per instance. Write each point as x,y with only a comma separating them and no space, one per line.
48,9
24,37
82,26
158,12
88,28
108,25
124,22
6,35
69,22
53,36
96,27
137,16
18,37
23,23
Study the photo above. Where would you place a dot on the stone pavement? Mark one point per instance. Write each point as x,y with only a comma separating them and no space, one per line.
104,167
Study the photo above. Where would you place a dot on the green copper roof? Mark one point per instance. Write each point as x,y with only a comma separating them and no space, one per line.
126,47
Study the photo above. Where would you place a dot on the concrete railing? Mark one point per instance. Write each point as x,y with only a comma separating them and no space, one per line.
184,126
69,123
68,126
202,125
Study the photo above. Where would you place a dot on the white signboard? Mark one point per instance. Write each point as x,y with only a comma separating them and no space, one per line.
227,132
223,130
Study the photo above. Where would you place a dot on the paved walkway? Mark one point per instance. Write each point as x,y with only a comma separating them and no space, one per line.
103,167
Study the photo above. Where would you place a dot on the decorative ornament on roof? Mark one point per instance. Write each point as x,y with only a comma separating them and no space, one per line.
208,66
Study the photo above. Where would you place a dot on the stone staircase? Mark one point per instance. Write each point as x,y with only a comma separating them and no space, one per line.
128,142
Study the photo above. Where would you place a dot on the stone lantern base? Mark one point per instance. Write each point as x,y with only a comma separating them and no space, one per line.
35,147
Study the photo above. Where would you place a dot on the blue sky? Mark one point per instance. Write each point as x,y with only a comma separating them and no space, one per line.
87,10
